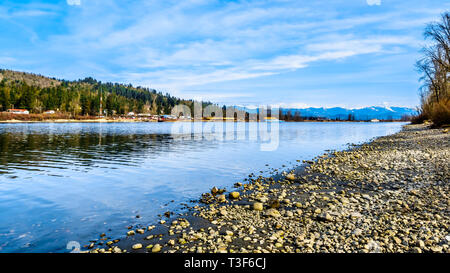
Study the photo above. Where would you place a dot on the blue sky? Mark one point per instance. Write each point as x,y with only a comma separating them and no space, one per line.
349,53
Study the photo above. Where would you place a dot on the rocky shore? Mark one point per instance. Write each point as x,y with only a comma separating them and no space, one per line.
389,195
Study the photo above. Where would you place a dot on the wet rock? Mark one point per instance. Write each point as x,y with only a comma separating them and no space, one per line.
234,195
140,231
221,198
137,246
156,248
290,177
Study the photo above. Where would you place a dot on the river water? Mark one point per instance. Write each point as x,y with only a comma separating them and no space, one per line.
62,182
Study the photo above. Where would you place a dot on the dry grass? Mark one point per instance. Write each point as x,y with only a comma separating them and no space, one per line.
440,113
437,112
28,78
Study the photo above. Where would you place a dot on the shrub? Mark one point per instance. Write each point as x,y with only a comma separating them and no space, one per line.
440,113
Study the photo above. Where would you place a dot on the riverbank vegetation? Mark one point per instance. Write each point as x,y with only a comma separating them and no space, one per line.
435,69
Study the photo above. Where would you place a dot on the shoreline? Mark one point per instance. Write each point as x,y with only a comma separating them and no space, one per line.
387,195
72,121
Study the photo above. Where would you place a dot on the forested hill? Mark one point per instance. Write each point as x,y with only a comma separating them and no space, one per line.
37,93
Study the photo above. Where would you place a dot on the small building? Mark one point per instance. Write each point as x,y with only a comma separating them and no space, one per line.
271,119
130,114
18,111
49,112
144,115
374,120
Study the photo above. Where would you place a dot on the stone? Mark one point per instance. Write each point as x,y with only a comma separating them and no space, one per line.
421,244
156,248
140,231
417,250
273,213
357,232
234,195
274,204
290,177
355,215
258,206
447,238
221,198
325,217
436,248
137,246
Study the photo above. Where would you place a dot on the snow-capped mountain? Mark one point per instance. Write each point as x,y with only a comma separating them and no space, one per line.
366,113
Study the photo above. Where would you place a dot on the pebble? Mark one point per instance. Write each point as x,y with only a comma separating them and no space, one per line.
234,195
137,246
258,206
273,213
156,248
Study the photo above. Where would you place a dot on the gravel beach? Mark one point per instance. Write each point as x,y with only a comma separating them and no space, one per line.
389,195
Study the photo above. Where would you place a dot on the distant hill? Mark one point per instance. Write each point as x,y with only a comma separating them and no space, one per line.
28,78
339,113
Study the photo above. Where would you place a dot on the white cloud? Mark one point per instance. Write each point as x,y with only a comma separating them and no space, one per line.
373,2
4,60
73,2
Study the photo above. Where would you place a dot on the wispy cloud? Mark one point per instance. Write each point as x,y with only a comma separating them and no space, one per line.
73,2
373,2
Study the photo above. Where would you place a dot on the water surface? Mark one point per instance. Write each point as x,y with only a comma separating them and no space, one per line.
73,181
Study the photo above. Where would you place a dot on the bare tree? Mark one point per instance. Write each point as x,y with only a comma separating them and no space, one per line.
435,65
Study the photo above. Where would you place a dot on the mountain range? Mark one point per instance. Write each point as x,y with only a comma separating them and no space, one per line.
340,113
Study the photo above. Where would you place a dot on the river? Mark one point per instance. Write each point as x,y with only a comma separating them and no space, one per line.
62,182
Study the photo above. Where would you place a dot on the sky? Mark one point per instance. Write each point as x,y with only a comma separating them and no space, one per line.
347,53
